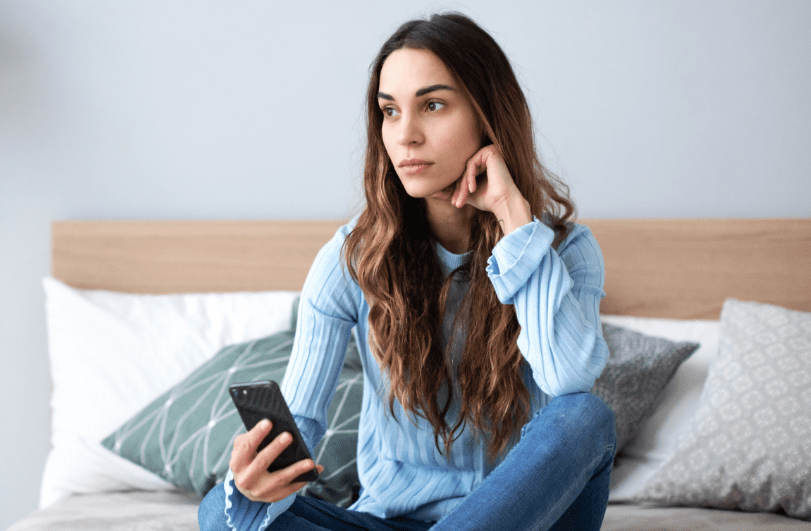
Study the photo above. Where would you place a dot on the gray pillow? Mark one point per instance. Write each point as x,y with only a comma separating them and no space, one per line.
749,445
638,368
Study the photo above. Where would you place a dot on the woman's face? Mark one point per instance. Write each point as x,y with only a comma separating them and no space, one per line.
430,129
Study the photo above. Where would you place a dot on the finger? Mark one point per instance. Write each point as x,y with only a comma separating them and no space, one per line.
290,473
245,445
473,182
471,171
272,451
457,187
471,178
255,482
259,432
256,471
462,199
461,194
280,484
297,486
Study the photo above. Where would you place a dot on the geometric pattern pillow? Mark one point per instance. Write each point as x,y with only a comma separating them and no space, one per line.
638,369
186,435
749,445
338,449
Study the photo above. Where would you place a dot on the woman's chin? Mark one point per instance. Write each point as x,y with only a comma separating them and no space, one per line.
421,193
442,195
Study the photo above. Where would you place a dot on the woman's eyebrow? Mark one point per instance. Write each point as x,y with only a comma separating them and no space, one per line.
421,92
432,88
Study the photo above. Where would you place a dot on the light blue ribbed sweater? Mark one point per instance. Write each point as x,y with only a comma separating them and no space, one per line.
556,294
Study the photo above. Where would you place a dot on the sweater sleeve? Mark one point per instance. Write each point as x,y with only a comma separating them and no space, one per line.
244,514
556,294
327,313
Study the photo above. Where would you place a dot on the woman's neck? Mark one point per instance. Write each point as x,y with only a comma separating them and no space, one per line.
450,225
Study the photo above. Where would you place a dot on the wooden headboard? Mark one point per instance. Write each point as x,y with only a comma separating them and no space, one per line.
681,268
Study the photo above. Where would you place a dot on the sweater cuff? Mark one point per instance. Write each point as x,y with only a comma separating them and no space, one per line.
517,256
244,514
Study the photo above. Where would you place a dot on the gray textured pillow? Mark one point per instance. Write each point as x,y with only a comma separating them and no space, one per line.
638,368
749,444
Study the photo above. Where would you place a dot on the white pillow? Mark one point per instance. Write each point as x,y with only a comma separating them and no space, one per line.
658,435
113,353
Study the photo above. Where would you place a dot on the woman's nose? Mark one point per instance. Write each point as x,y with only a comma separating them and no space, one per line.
410,131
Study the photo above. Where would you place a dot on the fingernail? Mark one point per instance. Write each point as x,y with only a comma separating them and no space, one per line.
264,424
285,437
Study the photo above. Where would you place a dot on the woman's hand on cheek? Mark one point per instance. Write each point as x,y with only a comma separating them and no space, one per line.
498,185
496,193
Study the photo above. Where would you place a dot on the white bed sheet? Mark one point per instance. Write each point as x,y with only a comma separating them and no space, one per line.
177,511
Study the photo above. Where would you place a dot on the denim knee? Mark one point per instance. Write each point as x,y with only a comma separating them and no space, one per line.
584,416
211,513
599,417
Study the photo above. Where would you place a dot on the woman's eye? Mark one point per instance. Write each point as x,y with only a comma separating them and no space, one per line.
389,112
435,106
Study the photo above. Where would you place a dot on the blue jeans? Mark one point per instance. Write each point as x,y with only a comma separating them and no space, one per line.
556,478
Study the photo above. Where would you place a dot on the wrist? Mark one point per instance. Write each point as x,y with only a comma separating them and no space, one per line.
512,212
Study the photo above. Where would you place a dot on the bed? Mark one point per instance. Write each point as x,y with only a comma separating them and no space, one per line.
145,317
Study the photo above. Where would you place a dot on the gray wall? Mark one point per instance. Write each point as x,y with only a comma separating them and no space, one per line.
240,110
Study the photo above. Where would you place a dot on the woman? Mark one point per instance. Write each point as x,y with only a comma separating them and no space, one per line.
479,321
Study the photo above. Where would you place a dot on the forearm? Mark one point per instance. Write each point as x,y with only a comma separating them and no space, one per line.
556,299
560,337
512,212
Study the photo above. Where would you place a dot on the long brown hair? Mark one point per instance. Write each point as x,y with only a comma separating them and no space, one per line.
390,253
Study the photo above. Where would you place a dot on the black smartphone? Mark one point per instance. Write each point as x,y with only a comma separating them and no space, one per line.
260,400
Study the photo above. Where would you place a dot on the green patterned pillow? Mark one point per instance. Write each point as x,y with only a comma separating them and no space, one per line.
185,436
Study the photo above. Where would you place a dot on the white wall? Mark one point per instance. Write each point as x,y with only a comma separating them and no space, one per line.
253,109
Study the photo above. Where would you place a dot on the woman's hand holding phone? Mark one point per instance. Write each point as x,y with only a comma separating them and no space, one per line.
250,468
495,193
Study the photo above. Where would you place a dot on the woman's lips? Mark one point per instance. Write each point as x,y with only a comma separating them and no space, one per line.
414,166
